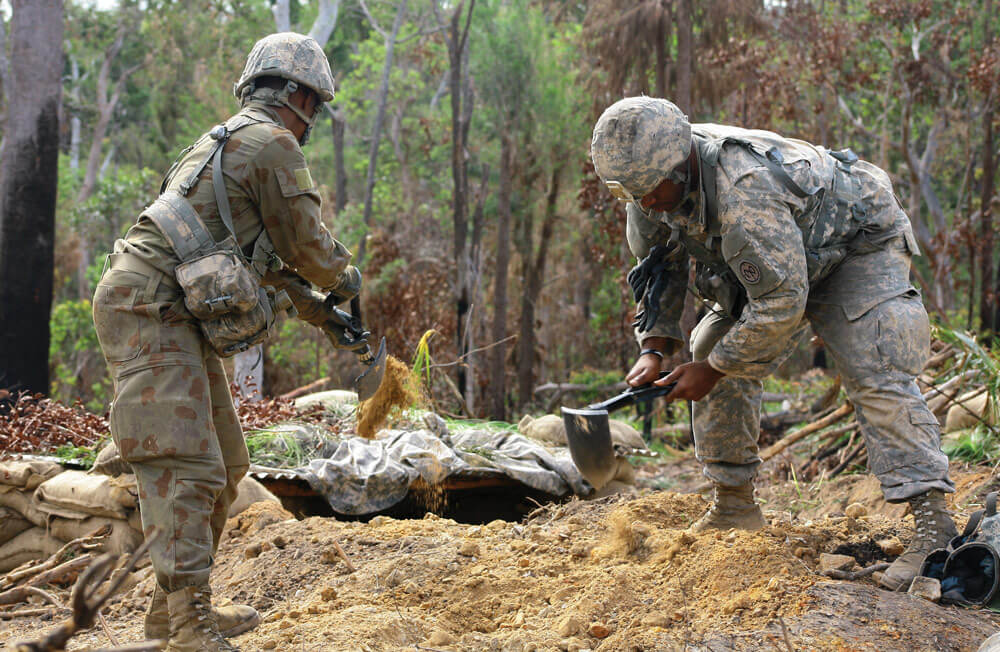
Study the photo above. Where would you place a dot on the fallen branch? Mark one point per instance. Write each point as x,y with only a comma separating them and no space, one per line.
45,595
837,470
343,555
63,573
29,613
858,574
805,431
306,389
89,542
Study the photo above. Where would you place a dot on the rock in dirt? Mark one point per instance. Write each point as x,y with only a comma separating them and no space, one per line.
927,588
891,546
856,510
828,562
469,549
440,637
568,626
598,630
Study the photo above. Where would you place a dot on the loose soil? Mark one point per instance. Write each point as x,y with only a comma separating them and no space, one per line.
397,391
617,573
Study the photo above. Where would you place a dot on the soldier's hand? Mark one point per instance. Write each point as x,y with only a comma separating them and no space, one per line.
645,370
340,338
694,380
348,285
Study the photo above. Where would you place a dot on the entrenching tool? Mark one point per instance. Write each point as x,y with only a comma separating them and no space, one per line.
588,431
350,329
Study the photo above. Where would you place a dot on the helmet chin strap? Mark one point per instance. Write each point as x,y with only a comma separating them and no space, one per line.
280,98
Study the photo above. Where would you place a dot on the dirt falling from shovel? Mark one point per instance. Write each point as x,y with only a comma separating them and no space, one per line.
396,392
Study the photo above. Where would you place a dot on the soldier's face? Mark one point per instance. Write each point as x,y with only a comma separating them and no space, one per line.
665,197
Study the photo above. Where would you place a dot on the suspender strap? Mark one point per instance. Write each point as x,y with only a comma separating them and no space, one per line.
219,183
174,216
192,179
773,161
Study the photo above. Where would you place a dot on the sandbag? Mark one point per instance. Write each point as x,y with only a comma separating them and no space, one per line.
551,430
334,400
969,409
31,544
80,492
22,502
12,524
250,492
27,473
123,538
109,462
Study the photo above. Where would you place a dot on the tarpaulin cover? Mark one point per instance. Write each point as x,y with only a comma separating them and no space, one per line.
362,476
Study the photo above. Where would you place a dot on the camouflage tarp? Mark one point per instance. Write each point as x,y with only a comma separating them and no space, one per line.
363,476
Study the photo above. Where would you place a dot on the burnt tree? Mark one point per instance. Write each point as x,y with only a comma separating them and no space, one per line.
28,182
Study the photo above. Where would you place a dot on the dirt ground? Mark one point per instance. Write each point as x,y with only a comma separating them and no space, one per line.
617,573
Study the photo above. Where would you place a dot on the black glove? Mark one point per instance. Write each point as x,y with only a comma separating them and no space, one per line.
639,276
347,287
648,280
342,337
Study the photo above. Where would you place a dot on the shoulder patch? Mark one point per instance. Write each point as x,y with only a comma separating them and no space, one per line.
294,182
303,178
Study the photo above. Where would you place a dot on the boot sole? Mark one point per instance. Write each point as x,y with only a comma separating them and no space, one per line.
242,628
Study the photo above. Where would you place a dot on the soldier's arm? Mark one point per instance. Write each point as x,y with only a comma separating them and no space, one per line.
763,247
290,209
642,234
307,301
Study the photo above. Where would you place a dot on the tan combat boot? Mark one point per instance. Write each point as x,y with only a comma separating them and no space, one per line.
233,620
734,508
933,529
192,624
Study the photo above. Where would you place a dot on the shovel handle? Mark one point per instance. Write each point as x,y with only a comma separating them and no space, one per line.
633,395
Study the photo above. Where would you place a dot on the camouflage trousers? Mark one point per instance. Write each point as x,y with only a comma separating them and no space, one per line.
878,349
172,418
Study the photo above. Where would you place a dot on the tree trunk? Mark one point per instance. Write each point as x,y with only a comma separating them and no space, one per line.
988,304
685,55
660,52
498,390
326,21
282,15
474,281
339,168
28,184
456,41
380,102
534,273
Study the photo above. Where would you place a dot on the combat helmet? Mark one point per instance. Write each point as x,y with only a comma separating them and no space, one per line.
294,57
638,142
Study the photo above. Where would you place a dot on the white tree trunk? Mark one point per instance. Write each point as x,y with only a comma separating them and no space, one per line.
282,15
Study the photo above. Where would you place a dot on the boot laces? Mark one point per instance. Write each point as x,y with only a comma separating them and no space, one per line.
204,610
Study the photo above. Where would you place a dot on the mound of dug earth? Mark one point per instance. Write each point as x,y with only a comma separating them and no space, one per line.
613,574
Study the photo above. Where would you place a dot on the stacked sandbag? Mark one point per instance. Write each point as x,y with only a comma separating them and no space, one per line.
550,429
46,507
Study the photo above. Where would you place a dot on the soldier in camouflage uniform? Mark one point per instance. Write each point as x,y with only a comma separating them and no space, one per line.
172,417
785,235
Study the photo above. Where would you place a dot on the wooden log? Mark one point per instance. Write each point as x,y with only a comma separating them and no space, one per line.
805,431
314,386
63,573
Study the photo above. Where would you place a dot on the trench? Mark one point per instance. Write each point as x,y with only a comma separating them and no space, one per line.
475,502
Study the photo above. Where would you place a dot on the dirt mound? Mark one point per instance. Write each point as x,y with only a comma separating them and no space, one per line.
396,391
618,573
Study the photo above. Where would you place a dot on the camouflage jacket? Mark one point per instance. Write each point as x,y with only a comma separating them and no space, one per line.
271,192
771,244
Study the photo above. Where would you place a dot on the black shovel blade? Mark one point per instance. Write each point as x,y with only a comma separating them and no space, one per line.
369,381
588,434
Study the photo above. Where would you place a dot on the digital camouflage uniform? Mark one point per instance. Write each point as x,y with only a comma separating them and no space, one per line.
801,260
172,416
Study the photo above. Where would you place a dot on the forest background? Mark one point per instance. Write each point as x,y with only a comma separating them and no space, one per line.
454,159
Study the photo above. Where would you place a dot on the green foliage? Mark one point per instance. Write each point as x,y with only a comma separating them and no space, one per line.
77,366
976,445
85,456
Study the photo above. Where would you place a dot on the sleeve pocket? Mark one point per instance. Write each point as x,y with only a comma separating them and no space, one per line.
757,274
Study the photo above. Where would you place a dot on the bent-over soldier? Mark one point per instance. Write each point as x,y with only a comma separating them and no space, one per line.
786,235
199,276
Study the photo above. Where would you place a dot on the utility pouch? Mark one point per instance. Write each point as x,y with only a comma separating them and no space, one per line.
217,284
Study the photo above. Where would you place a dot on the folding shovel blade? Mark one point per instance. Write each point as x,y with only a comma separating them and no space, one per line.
588,434
369,381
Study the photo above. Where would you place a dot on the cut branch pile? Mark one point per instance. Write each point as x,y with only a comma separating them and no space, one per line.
37,424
